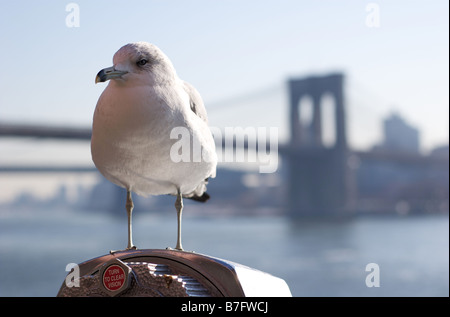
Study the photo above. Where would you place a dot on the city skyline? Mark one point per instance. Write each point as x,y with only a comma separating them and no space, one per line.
76,190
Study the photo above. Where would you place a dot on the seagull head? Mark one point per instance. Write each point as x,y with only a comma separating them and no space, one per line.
139,63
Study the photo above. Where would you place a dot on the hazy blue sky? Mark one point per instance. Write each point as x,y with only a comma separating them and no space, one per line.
234,48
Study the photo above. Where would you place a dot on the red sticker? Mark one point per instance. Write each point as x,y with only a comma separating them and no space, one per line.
113,277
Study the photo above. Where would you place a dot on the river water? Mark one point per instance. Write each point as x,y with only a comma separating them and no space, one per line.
315,258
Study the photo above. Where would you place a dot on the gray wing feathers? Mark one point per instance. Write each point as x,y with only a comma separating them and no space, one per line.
196,101
197,106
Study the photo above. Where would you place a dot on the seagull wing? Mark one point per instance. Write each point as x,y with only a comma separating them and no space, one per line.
198,107
196,101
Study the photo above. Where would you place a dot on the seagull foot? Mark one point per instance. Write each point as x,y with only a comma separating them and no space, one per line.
127,249
175,249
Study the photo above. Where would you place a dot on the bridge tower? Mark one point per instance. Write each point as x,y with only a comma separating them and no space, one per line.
320,180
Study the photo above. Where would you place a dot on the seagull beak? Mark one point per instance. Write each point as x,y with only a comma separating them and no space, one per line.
109,73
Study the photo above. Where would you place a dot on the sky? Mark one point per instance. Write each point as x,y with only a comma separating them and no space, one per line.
239,55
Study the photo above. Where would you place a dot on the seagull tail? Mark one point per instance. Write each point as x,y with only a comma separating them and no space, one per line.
201,198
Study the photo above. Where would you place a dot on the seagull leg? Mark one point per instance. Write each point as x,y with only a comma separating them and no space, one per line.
179,207
129,206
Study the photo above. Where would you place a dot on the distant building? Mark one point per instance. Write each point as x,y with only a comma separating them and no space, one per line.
441,151
399,136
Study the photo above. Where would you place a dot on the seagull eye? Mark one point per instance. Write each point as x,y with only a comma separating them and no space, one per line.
142,62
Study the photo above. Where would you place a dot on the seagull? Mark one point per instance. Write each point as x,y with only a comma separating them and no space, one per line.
133,143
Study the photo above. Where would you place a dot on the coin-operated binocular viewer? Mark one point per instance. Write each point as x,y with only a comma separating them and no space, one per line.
168,273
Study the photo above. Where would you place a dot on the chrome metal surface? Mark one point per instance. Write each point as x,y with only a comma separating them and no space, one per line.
175,273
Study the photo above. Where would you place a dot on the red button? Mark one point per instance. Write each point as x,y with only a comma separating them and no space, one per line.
113,277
